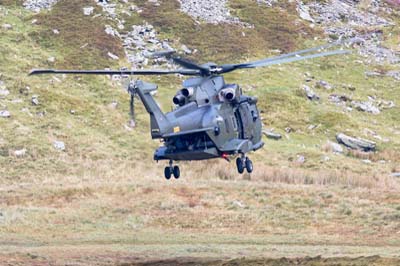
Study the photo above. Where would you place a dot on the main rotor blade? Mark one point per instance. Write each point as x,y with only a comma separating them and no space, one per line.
190,65
231,67
296,53
187,72
293,59
280,60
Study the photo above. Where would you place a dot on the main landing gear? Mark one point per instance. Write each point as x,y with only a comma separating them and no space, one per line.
172,170
244,163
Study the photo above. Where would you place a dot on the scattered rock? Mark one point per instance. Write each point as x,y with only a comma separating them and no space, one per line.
208,10
372,74
336,148
132,124
7,26
87,11
185,49
272,135
239,204
301,159
386,104
35,100
368,107
288,130
323,85
372,133
59,145
5,114
312,127
20,153
113,105
4,93
37,5
304,12
113,56
311,95
356,143
339,99
394,74
111,31
349,87
326,158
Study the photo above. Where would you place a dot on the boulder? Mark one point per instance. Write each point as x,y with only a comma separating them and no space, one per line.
113,56
87,11
311,95
322,84
4,93
35,100
339,99
301,159
272,135
368,107
356,143
5,114
304,12
59,145
394,74
336,148
186,49
20,153
7,26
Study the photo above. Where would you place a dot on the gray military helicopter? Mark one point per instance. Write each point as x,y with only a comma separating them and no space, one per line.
212,118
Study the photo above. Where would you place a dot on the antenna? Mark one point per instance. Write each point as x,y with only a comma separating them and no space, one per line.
132,90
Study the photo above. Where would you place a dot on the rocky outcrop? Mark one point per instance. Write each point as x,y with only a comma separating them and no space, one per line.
140,42
208,10
268,3
38,5
344,19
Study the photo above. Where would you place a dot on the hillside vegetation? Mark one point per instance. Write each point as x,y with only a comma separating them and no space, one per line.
104,188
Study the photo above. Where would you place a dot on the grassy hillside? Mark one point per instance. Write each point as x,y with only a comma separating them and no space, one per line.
104,189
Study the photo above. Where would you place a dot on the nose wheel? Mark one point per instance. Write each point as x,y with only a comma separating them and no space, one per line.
171,170
243,163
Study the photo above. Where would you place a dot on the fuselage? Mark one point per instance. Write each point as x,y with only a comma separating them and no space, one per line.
207,124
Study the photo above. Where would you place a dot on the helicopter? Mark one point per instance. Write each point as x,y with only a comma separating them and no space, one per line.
212,118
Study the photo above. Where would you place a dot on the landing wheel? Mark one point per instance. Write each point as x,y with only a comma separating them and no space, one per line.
240,165
249,165
176,172
167,172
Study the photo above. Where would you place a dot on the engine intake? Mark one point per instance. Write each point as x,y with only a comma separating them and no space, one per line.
229,94
179,99
187,92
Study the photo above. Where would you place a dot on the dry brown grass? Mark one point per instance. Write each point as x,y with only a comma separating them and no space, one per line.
293,175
